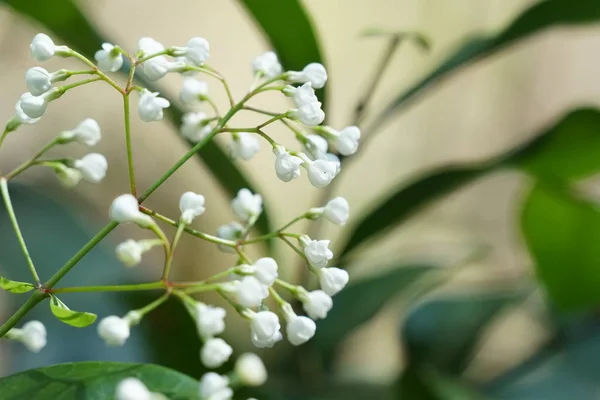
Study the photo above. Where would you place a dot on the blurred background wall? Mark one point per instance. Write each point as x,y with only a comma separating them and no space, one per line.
487,108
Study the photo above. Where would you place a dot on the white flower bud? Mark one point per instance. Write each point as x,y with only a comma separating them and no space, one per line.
35,106
215,353
196,51
250,369
316,304
267,64
230,231
150,107
195,126
332,280
43,48
337,210
130,252
299,329
87,132
114,330
132,389
246,205
92,167
126,208
22,117
250,292
38,80
149,46
287,166
214,386
316,146
314,73
244,145
320,172
191,205
193,91
265,270
156,68
68,177
335,160
309,114
265,329
317,252
32,335
346,140
108,59
210,320
302,95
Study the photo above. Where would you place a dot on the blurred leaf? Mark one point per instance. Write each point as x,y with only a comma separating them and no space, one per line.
562,233
94,381
66,21
443,333
15,286
540,16
77,319
360,301
428,384
418,38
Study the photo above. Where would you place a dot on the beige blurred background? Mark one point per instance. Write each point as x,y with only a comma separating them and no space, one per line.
481,111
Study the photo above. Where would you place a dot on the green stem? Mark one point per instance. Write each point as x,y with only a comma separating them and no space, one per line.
298,251
111,288
5,133
145,310
270,121
160,53
259,111
216,74
293,289
280,301
266,137
33,301
213,105
82,82
32,161
169,261
127,116
15,224
101,74
202,288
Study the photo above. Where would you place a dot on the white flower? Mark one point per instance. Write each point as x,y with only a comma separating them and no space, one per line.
346,140
130,251
299,329
191,205
149,46
215,352
250,369
265,270
265,329
304,94
193,91
22,117
69,177
38,80
210,320
320,172
230,231
246,205
92,167
314,73
267,64
195,126
197,50
114,330
316,304
316,146
250,292
156,68
32,335
87,132
332,280
335,160
132,389
214,387
35,106
337,210
317,252
309,114
150,107
125,208
287,166
43,48
244,145
109,59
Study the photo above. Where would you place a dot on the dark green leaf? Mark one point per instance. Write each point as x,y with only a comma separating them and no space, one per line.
562,233
428,384
444,332
541,16
360,301
15,286
77,319
64,19
94,381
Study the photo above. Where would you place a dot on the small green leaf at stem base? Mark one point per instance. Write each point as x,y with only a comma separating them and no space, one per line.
15,286
78,319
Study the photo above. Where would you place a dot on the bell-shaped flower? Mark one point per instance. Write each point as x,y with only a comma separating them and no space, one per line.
231,231
191,205
22,117
92,167
249,291
68,177
195,126
35,106
250,370
309,114
314,73
130,251
316,251
148,46
150,107
193,91
126,208
335,160
337,210
87,132
267,65
302,95
210,320
332,280
196,51
132,389
265,329
345,140
43,48
244,145
32,335
39,81
214,387
320,172
215,353
287,166
299,329
265,270
316,146
316,303
156,68
109,59
246,205
114,330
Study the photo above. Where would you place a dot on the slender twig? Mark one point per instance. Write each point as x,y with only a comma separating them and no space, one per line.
259,111
32,160
5,133
127,117
169,261
110,288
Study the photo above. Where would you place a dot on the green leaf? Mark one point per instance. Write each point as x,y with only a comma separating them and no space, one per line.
77,319
443,332
562,233
418,38
543,15
94,381
360,301
15,286
66,21
428,384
